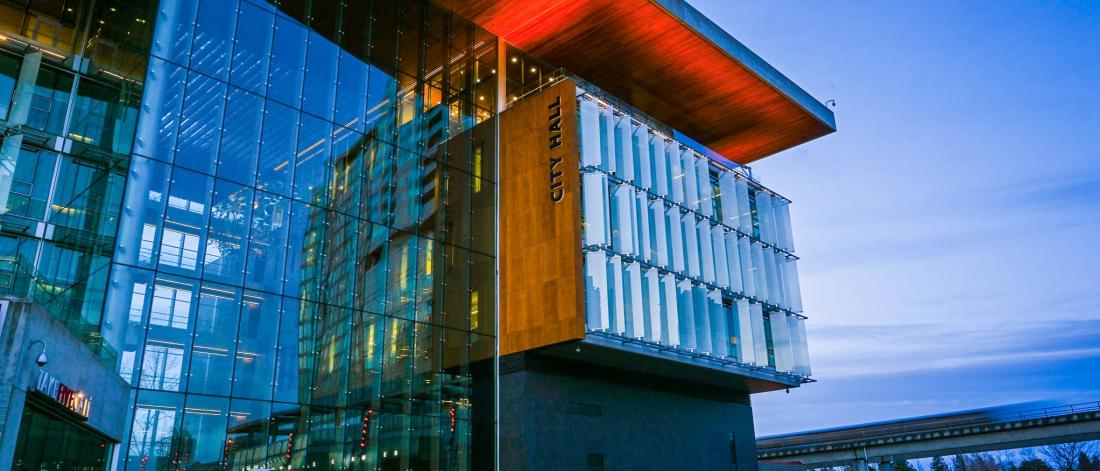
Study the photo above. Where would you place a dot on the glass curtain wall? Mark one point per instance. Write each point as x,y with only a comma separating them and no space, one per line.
304,270
71,79
683,252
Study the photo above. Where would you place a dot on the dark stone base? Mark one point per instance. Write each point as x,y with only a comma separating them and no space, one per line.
558,414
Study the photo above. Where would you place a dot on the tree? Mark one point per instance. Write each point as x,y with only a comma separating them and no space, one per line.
982,462
1064,456
939,464
1034,464
904,465
1084,463
961,464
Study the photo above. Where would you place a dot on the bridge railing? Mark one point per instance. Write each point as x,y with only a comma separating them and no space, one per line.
1055,411
983,417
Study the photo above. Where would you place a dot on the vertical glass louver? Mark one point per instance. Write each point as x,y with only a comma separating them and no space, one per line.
683,252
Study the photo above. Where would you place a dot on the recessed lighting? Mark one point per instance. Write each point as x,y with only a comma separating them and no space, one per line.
533,70
515,59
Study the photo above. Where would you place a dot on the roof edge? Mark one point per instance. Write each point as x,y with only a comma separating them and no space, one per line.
719,38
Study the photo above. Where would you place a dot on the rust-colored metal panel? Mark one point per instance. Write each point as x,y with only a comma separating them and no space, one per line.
541,286
667,60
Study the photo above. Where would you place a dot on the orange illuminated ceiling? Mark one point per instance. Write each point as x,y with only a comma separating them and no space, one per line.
667,60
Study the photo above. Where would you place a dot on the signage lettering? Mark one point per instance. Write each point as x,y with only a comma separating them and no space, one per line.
70,398
557,188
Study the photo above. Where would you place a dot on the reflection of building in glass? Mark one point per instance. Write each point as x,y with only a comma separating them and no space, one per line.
66,136
335,235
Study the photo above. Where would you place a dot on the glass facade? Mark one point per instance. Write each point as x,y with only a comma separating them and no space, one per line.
71,80
681,251
276,221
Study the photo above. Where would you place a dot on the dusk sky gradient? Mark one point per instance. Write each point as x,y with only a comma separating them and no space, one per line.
950,230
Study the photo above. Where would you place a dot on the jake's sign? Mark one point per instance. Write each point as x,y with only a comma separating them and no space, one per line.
70,398
557,188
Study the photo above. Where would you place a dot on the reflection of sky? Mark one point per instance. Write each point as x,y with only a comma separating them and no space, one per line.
950,231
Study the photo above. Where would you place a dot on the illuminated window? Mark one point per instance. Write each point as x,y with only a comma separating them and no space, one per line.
403,274
477,167
474,310
428,259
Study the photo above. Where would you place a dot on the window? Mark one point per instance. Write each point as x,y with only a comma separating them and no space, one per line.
478,149
733,452
161,368
595,462
148,236
152,432
179,249
474,310
50,100
171,307
137,303
768,340
585,409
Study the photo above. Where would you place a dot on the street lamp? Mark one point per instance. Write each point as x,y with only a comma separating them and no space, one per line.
41,359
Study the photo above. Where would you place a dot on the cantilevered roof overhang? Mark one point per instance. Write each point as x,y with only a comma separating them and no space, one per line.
667,60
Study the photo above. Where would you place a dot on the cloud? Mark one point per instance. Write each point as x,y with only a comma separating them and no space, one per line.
840,351
944,223
892,394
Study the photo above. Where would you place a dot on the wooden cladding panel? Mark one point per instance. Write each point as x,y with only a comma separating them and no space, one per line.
541,284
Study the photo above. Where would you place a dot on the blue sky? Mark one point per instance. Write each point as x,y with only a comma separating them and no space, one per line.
950,231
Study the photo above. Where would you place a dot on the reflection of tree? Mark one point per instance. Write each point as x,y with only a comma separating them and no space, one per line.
152,435
158,362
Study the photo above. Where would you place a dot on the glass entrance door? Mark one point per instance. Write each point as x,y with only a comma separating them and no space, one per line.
48,442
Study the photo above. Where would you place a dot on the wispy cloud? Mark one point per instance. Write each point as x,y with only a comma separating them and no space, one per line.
949,230
875,350
946,223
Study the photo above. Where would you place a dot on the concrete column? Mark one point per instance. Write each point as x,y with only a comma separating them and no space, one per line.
859,464
886,464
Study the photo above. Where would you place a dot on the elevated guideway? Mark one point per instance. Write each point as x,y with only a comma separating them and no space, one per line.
973,431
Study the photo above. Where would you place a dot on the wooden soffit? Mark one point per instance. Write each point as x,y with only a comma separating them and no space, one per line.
667,60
